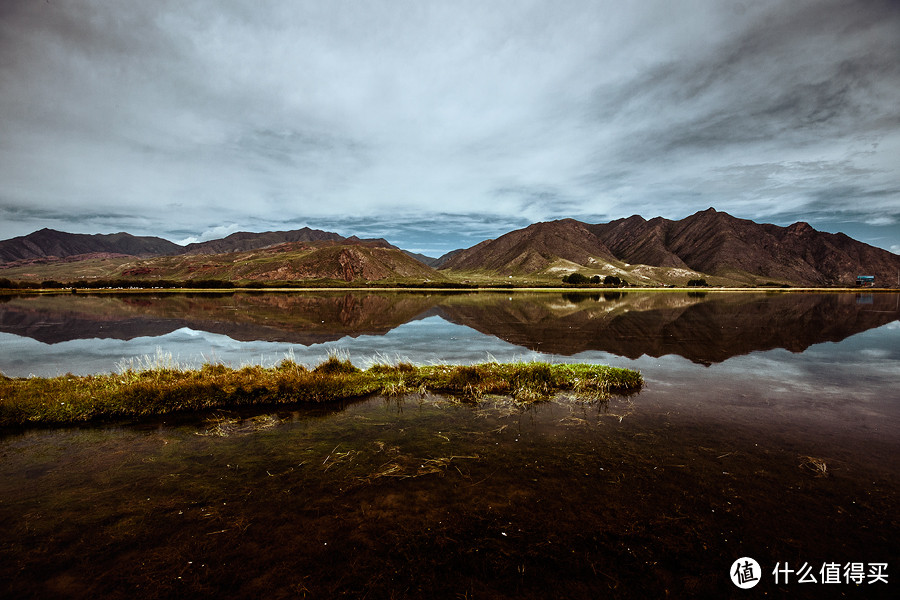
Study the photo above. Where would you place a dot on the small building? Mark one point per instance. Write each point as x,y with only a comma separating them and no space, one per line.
865,281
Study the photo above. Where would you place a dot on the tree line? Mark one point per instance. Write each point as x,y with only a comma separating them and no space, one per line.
579,279
96,284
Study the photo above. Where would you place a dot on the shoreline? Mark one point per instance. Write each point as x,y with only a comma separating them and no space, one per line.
499,289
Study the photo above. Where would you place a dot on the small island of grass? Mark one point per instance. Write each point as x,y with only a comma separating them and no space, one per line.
135,394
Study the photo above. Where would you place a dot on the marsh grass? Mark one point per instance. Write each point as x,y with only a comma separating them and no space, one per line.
408,467
815,465
161,387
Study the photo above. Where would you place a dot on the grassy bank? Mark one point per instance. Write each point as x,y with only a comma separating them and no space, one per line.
36,401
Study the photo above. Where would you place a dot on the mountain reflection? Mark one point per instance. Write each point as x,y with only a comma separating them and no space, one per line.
703,327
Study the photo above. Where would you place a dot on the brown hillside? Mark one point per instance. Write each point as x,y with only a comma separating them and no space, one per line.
637,241
532,249
292,261
243,240
353,262
717,243
708,242
52,244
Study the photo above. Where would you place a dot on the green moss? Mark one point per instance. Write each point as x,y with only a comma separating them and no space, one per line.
136,394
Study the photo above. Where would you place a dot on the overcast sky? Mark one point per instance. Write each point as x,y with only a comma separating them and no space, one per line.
438,124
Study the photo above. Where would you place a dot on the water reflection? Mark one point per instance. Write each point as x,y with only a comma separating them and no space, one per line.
716,459
425,497
705,328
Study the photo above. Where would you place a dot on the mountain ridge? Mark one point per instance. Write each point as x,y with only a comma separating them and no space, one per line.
246,240
344,260
49,243
708,244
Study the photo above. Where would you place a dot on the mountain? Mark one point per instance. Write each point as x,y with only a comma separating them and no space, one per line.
347,260
49,243
443,259
532,249
302,254
719,244
243,240
708,243
432,262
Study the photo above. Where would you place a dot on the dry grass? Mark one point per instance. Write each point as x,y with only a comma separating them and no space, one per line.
815,465
160,387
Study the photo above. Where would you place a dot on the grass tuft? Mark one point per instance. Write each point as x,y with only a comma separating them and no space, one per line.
335,366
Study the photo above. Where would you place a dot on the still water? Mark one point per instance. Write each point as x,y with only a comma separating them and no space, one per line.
767,429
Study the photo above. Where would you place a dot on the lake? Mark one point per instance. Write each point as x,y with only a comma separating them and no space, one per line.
767,429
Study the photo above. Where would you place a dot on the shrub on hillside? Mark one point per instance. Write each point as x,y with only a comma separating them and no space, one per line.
575,279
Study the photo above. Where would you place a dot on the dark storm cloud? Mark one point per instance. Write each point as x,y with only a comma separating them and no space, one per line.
196,119
747,92
86,221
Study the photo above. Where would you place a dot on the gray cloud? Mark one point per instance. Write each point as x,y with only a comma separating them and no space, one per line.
184,119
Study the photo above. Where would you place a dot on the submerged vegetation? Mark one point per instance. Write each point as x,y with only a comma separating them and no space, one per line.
163,388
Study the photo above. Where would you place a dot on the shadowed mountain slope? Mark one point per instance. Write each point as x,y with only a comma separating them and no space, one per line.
637,241
710,242
532,249
48,243
51,244
348,260
244,240
719,244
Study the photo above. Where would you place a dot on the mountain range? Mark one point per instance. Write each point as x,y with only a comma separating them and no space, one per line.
709,244
51,244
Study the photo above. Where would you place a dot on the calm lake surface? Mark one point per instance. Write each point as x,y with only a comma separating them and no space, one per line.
768,428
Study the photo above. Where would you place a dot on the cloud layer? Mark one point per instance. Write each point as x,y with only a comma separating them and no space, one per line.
396,118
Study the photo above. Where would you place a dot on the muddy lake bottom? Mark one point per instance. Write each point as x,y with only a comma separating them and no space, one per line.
417,497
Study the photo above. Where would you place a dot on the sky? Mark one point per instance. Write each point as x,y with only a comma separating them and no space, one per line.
438,124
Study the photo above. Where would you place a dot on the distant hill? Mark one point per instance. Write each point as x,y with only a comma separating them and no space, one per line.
711,243
243,240
432,262
346,260
49,243
444,259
